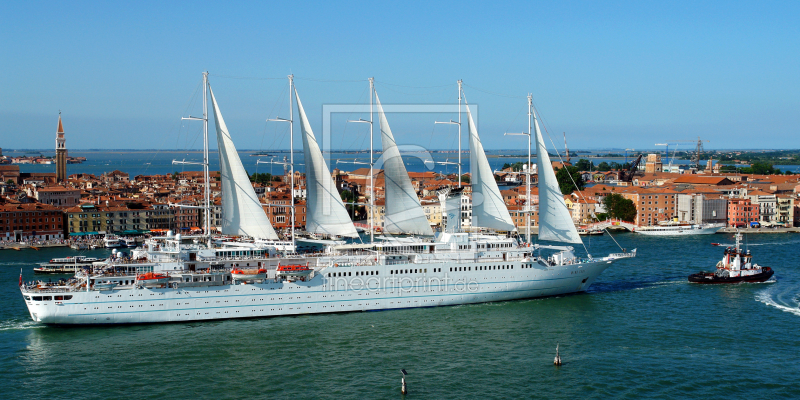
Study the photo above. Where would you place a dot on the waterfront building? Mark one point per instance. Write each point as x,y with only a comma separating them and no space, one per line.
159,216
109,218
61,152
186,218
784,210
30,221
767,206
741,212
279,212
699,208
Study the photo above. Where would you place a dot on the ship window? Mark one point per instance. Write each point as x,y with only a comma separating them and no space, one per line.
37,298
27,297
47,298
59,297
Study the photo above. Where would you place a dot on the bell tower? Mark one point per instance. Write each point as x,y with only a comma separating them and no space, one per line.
61,153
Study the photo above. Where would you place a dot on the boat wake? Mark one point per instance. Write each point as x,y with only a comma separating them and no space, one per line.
632,285
771,298
16,325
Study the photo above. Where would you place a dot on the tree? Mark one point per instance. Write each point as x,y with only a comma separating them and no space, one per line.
762,168
620,207
465,179
262,178
506,165
583,165
603,166
566,184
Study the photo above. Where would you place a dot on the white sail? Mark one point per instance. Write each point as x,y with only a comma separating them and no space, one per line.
242,213
555,223
403,211
488,208
325,212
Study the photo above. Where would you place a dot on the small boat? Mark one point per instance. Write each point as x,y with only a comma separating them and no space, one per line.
66,265
248,274
736,266
79,246
294,270
128,242
587,232
102,286
74,260
110,241
152,279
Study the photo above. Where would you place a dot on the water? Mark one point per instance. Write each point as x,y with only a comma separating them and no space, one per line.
641,331
160,162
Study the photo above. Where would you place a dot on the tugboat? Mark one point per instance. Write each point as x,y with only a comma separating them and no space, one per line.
736,266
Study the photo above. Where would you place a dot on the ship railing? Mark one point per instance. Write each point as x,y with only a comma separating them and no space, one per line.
622,255
35,289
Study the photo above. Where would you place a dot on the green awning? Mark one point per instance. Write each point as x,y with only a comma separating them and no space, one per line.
83,233
134,232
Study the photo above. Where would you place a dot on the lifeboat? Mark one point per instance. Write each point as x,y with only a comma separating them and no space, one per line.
152,279
293,270
248,274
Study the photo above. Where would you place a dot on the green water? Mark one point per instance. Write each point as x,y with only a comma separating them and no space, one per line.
641,331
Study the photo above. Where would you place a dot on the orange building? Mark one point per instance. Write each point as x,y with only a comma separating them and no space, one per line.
741,212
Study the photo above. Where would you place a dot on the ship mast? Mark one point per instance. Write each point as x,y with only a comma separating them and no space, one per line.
371,204
527,172
371,163
528,201
206,192
291,154
451,122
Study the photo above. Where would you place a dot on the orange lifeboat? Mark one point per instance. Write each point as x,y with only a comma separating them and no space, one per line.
249,274
293,270
152,278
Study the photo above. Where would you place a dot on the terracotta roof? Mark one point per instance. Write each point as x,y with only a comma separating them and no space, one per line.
703,180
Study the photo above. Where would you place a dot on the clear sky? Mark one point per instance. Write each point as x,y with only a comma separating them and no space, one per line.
609,74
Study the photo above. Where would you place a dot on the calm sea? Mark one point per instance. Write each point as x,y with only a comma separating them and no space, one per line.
640,331
160,162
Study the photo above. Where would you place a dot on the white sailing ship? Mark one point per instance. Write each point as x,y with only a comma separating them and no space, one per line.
190,278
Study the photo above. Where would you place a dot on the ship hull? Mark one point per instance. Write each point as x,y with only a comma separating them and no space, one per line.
710,279
441,284
680,232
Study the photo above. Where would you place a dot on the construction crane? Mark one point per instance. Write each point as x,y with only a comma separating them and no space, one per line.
698,150
627,176
674,150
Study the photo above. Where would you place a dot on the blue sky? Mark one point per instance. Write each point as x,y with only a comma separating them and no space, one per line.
610,74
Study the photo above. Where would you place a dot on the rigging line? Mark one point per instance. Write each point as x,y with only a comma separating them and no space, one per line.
244,77
331,80
344,131
416,87
420,94
494,93
191,101
277,104
515,118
